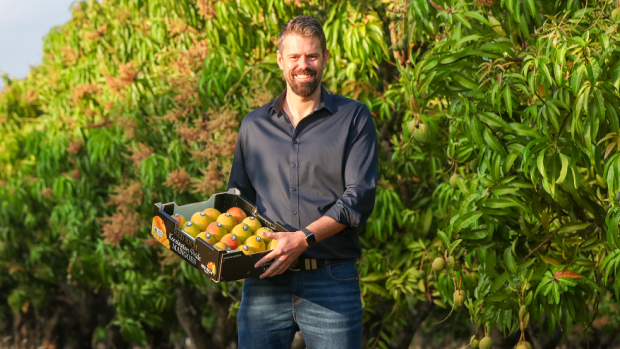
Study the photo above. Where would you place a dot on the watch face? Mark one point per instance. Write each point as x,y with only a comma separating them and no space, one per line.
310,239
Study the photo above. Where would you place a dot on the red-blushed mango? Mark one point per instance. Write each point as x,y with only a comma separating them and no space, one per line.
231,240
242,231
237,213
217,230
212,213
179,218
207,237
222,246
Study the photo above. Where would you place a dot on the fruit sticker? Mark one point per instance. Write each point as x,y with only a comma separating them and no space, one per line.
159,231
209,269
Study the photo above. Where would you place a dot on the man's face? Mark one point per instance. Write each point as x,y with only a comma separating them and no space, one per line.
302,62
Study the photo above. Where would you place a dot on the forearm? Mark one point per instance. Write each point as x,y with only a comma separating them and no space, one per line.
325,227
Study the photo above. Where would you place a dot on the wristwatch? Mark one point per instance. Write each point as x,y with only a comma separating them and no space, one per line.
310,239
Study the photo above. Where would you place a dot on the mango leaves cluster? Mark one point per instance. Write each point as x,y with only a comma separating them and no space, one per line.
529,92
138,102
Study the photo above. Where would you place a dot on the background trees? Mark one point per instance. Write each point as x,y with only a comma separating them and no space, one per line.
515,181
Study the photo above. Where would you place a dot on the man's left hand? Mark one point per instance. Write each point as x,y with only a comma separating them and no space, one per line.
290,246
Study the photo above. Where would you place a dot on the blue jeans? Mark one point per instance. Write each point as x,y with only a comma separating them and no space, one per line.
324,304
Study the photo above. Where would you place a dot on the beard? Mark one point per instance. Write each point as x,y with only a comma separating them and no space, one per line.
304,88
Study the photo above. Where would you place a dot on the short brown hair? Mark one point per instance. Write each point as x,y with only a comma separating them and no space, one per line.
303,26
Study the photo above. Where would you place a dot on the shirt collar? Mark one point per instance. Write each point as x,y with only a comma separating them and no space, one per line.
326,102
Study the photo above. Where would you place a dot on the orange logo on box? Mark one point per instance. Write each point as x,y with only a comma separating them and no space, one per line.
210,268
158,231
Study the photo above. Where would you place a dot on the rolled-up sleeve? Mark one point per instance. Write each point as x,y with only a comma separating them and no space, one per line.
238,174
360,173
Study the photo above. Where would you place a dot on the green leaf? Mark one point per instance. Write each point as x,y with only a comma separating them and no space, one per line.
465,220
600,104
374,288
494,143
556,293
492,119
499,282
476,131
557,71
571,227
575,81
504,189
464,81
540,163
547,74
510,159
373,277
531,7
424,86
499,203
444,238
478,16
462,20
550,260
604,39
564,170
510,260
508,100
615,75
523,130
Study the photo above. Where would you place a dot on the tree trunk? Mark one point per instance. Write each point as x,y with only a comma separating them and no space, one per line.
225,330
190,320
416,316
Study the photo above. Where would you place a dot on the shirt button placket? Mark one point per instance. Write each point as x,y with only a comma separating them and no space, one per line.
294,193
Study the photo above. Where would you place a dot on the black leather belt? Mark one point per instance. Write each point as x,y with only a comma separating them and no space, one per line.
311,264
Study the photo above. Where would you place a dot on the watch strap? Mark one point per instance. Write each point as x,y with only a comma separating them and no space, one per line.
310,239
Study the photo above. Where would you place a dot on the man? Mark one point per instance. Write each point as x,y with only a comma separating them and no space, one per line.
307,159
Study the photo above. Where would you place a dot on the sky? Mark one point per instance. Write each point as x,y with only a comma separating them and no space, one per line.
23,24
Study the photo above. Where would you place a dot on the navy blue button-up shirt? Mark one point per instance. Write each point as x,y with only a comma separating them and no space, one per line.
326,166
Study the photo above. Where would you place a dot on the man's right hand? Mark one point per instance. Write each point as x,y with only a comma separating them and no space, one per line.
290,246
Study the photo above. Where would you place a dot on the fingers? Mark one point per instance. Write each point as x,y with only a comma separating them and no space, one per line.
278,267
266,258
272,235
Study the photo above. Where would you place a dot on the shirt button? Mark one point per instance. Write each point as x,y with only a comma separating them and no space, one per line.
294,212
294,165
294,189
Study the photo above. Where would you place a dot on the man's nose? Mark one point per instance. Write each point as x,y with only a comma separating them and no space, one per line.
304,62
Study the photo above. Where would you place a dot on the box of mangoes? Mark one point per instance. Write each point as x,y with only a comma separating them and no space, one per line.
221,237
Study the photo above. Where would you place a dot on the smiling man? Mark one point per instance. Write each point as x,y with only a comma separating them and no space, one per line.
307,159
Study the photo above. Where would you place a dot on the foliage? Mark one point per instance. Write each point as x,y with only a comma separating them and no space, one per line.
138,102
527,92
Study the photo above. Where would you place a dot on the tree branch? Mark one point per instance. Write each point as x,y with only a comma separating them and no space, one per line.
592,227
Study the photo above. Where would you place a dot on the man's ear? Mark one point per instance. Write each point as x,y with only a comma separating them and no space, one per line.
325,57
279,59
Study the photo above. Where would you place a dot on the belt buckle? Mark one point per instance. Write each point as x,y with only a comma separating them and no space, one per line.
291,268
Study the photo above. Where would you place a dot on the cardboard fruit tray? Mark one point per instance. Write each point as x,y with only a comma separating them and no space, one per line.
219,265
